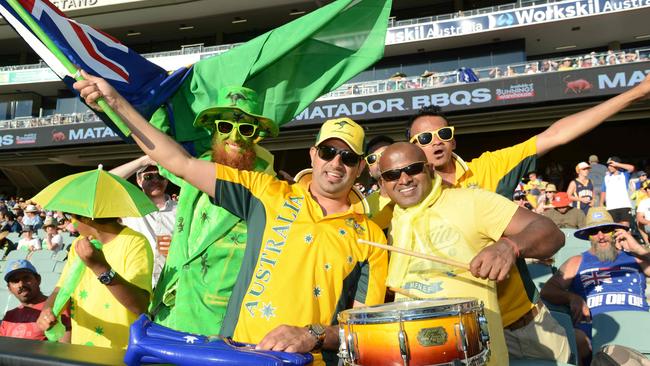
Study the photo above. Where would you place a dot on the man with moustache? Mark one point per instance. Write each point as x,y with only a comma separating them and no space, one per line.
23,281
477,227
208,242
499,171
312,225
615,264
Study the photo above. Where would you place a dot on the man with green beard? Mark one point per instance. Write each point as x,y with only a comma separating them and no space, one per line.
208,242
610,276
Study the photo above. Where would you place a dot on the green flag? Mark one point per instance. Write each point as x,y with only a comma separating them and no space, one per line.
289,67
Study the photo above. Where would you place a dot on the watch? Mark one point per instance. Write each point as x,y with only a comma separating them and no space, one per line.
318,331
107,277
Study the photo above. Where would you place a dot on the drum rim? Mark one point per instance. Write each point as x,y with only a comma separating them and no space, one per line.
358,316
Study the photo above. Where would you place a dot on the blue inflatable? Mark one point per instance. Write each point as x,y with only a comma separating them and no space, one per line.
153,343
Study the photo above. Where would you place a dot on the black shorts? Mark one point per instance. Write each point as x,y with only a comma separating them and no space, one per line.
621,214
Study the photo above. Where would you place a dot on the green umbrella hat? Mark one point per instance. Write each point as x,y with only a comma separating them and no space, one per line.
234,100
95,194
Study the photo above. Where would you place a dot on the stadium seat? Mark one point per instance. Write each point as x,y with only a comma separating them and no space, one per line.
14,237
41,254
17,254
572,246
48,282
43,264
58,267
626,328
61,255
539,273
526,362
566,322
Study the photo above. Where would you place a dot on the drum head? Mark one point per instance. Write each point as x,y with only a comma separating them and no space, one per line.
408,310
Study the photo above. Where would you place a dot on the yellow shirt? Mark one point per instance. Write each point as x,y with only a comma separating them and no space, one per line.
98,319
500,171
300,267
456,225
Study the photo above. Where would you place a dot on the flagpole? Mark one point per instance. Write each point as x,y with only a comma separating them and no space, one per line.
72,69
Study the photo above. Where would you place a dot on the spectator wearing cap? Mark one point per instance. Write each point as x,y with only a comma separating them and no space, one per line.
545,201
29,241
6,245
157,226
615,264
32,217
563,215
521,199
11,224
53,240
635,187
23,281
614,193
597,176
643,212
17,210
581,189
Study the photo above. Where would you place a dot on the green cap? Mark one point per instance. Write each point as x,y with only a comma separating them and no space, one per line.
236,99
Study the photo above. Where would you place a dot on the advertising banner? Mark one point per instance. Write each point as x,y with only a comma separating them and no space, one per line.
56,136
523,89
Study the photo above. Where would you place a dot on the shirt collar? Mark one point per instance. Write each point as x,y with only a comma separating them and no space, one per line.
461,167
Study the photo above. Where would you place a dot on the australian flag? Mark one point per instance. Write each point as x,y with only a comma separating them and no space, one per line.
145,85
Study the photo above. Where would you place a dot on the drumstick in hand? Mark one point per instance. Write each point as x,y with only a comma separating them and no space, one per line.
449,262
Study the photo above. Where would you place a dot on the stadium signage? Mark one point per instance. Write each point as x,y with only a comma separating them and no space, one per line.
512,91
59,135
509,18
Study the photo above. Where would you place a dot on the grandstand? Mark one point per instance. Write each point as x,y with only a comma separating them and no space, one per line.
536,60
516,48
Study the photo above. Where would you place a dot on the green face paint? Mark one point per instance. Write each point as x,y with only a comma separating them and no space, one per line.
236,133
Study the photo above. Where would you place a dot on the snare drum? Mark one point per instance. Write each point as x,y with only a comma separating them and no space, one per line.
415,333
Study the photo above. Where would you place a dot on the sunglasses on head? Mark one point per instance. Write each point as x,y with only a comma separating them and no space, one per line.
245,129
425,138
373,158
348,157
410,170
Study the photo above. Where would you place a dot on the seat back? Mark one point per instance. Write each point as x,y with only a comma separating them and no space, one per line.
565,321
626,328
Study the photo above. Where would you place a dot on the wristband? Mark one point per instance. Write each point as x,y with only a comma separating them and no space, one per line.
512,244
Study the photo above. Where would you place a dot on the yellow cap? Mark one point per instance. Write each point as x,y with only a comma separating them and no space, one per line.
343,129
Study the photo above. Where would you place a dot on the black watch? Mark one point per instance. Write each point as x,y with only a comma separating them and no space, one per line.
318,331
107,277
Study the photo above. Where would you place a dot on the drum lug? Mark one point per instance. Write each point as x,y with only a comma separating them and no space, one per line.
352,351
403,347
483,325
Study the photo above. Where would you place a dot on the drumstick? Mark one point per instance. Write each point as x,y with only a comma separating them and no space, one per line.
432,258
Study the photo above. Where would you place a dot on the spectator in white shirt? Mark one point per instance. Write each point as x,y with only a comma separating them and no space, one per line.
53,240
28,241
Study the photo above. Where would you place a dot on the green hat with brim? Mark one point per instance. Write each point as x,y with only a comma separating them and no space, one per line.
234,100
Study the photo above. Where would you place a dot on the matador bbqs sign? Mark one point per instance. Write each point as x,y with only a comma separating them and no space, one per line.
493,93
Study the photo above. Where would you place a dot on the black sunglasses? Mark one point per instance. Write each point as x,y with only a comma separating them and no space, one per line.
425,138
604,230
348,157
410,170
245,129
152,176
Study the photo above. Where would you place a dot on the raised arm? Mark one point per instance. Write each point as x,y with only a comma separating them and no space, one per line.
569,128
126,170
160,147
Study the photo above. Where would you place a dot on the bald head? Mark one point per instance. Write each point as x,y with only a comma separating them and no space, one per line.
406,176
400,152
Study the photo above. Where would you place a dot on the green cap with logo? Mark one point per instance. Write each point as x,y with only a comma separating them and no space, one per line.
236,99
